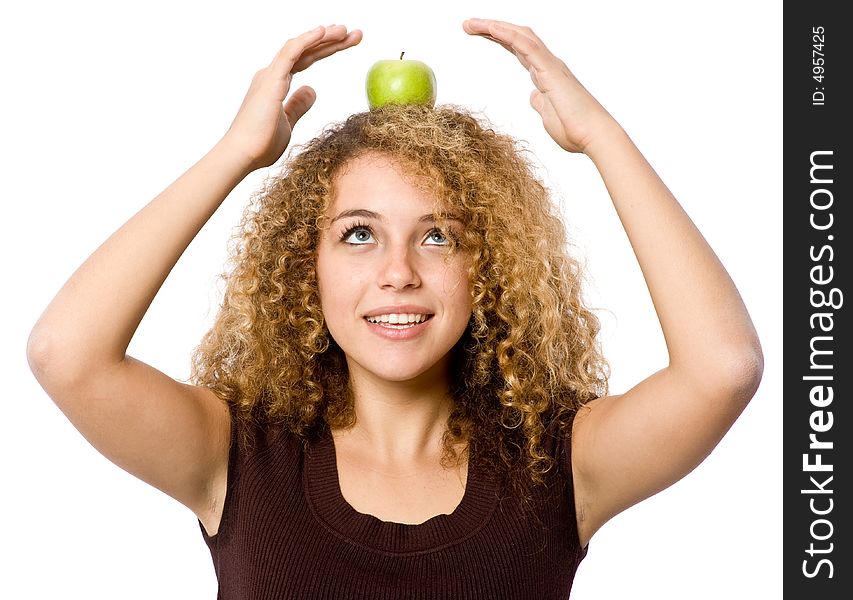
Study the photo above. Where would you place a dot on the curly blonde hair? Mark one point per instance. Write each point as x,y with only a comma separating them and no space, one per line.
529,355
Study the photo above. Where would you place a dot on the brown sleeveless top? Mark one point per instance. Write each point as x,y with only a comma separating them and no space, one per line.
287,532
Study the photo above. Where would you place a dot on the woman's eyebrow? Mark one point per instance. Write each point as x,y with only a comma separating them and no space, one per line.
369,214
358,212
431,217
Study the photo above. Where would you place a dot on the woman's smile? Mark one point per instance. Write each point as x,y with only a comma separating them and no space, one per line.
402,322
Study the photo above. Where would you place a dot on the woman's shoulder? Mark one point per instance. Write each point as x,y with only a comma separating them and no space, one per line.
262,445
263,455
258,435
557,440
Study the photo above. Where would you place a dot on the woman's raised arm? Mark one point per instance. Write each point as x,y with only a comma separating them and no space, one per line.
626,448
171,435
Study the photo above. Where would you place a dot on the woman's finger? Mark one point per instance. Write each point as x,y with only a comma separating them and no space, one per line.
521,41
322,37
488,37
326,49
287,56
484,26
298,104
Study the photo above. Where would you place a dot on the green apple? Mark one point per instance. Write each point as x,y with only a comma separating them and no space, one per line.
400,82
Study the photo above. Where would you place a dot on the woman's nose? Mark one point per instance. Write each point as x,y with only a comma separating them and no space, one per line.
398,269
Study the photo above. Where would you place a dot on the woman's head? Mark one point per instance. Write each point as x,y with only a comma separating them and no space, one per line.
527,350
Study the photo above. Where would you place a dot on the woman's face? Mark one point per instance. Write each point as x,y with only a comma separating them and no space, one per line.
394,298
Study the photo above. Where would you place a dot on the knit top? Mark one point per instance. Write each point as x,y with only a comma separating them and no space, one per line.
288,533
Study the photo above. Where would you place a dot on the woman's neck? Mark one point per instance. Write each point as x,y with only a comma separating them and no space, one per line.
399,421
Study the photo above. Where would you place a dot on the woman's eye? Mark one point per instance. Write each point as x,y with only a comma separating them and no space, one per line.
437,237
357,236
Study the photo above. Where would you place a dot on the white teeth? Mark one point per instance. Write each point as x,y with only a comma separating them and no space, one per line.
397,318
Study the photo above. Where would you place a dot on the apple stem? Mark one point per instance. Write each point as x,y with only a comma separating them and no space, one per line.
401,54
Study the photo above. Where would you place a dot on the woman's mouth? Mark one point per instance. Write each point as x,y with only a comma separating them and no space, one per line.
398,320
398,326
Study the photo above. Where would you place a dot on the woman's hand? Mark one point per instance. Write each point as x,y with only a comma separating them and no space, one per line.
570,114
261,130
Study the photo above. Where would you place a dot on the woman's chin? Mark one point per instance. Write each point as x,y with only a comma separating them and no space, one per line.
394,371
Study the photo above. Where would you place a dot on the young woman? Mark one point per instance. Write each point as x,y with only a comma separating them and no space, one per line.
402,395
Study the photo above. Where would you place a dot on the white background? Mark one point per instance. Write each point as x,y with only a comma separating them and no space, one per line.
107,103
